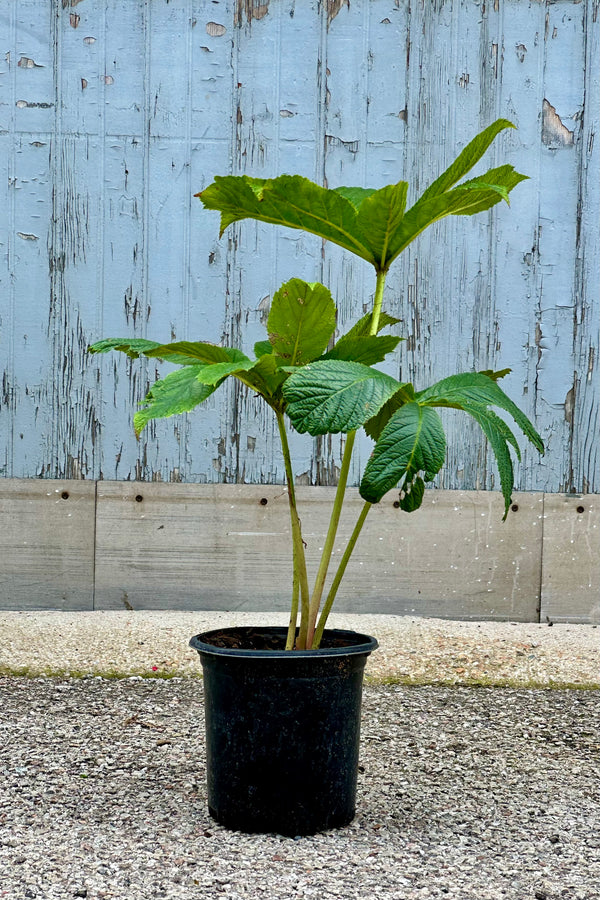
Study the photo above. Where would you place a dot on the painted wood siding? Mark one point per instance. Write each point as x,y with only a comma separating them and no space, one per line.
113,113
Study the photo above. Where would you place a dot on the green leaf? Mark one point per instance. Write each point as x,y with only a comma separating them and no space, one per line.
133,347
262,348
481,389
374,426
366,350
363,326
371,224
216,372
178,392
288,200
466,159
191,353
301,321
264,377
474,392
466,200
329,396
379,217
412,441
411,496
498,433
355,195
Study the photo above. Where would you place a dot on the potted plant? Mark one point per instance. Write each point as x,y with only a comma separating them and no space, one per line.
283,707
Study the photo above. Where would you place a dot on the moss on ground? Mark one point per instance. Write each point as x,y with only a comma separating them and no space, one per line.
108,674
400,680
513,683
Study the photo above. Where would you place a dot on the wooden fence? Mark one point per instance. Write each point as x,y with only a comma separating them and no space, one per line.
114,112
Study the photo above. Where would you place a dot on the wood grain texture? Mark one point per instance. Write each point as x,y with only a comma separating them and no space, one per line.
47,544
112,115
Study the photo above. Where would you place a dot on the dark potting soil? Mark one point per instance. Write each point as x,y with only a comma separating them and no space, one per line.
257,639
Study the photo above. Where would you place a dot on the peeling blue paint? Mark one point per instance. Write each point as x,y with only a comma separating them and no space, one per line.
112,115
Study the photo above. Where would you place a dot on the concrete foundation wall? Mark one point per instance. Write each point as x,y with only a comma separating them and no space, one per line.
79,545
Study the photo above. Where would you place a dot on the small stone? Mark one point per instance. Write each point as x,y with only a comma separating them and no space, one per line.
541,895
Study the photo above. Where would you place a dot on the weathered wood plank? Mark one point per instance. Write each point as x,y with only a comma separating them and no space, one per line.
584,451
112,115
46,544
220,547
571,559
276,128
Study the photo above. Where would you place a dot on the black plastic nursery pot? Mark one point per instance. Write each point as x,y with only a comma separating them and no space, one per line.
282,728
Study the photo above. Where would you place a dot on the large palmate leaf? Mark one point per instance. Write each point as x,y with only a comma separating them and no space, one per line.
178,392
288,200
413,441
329,396
301,321
474,392
372,224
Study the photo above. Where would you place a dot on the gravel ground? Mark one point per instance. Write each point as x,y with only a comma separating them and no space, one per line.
412,650
469,794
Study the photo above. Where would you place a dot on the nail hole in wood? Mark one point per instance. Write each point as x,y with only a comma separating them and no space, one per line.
138,498
580,509
396,504
515,507
263,501
65,495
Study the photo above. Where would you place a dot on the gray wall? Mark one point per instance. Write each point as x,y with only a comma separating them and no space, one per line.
80,545
113,113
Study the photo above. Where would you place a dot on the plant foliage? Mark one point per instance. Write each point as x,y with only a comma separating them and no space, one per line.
327,388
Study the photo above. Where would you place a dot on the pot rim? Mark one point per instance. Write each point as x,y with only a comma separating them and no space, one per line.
361,644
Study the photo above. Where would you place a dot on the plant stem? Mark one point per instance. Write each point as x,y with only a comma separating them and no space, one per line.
339,575
291,633
315,600
300,576
314,637
377,302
